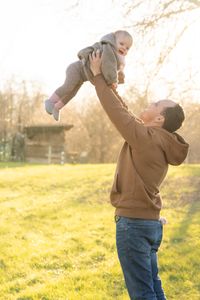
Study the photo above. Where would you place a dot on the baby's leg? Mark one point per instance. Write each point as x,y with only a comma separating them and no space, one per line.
73,81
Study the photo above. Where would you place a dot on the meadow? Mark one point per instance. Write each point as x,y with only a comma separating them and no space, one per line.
57,233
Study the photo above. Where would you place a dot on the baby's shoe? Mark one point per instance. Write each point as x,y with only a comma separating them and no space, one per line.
49,105
56,114
56,110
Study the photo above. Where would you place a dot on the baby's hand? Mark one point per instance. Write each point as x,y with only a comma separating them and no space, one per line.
121,77
114,85
163,220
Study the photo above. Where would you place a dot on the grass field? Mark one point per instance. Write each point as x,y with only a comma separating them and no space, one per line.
57,235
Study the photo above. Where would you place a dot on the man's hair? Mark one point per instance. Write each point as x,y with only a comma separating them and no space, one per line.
174,117
125,33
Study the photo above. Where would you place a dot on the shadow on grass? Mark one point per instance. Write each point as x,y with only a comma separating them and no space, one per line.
180,234
180,192
190,199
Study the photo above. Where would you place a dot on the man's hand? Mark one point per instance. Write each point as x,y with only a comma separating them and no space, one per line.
95,62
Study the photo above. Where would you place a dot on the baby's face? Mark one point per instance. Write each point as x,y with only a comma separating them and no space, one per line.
124,43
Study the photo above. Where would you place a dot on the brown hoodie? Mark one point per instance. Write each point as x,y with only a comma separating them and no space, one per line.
143,161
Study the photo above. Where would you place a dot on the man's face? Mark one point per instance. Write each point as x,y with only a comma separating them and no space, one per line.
124,43
154,110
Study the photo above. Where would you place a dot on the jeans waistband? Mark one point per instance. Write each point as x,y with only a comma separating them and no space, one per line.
117,218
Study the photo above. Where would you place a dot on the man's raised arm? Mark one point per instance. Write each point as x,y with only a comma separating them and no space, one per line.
126,123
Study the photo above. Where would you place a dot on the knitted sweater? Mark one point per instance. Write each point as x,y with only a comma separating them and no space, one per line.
111,61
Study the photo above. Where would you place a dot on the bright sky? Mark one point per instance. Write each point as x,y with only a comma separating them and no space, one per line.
39,38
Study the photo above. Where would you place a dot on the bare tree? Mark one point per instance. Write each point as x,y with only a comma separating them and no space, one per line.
17,105
191,131
159,11
159,27
104,139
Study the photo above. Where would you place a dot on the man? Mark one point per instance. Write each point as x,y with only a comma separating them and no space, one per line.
150,146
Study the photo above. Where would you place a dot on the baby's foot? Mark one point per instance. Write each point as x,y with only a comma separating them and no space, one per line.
49,105
56,114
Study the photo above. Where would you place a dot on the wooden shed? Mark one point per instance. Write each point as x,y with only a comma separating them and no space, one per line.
46,143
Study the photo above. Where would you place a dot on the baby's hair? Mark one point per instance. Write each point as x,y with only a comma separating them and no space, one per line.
123,32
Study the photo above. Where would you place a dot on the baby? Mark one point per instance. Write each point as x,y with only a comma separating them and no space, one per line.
113,47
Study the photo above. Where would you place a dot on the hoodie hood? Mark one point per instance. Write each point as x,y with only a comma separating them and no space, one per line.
110,39
174,147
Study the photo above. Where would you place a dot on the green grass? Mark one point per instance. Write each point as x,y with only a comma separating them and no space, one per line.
57,235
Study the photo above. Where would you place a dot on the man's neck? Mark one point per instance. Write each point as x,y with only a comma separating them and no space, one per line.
152,124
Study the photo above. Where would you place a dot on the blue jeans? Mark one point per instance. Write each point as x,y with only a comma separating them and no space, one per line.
138,241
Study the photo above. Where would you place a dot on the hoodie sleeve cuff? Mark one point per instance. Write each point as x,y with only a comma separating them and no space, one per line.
98,78
100,83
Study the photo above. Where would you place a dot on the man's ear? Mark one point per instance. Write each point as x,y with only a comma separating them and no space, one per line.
159,119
